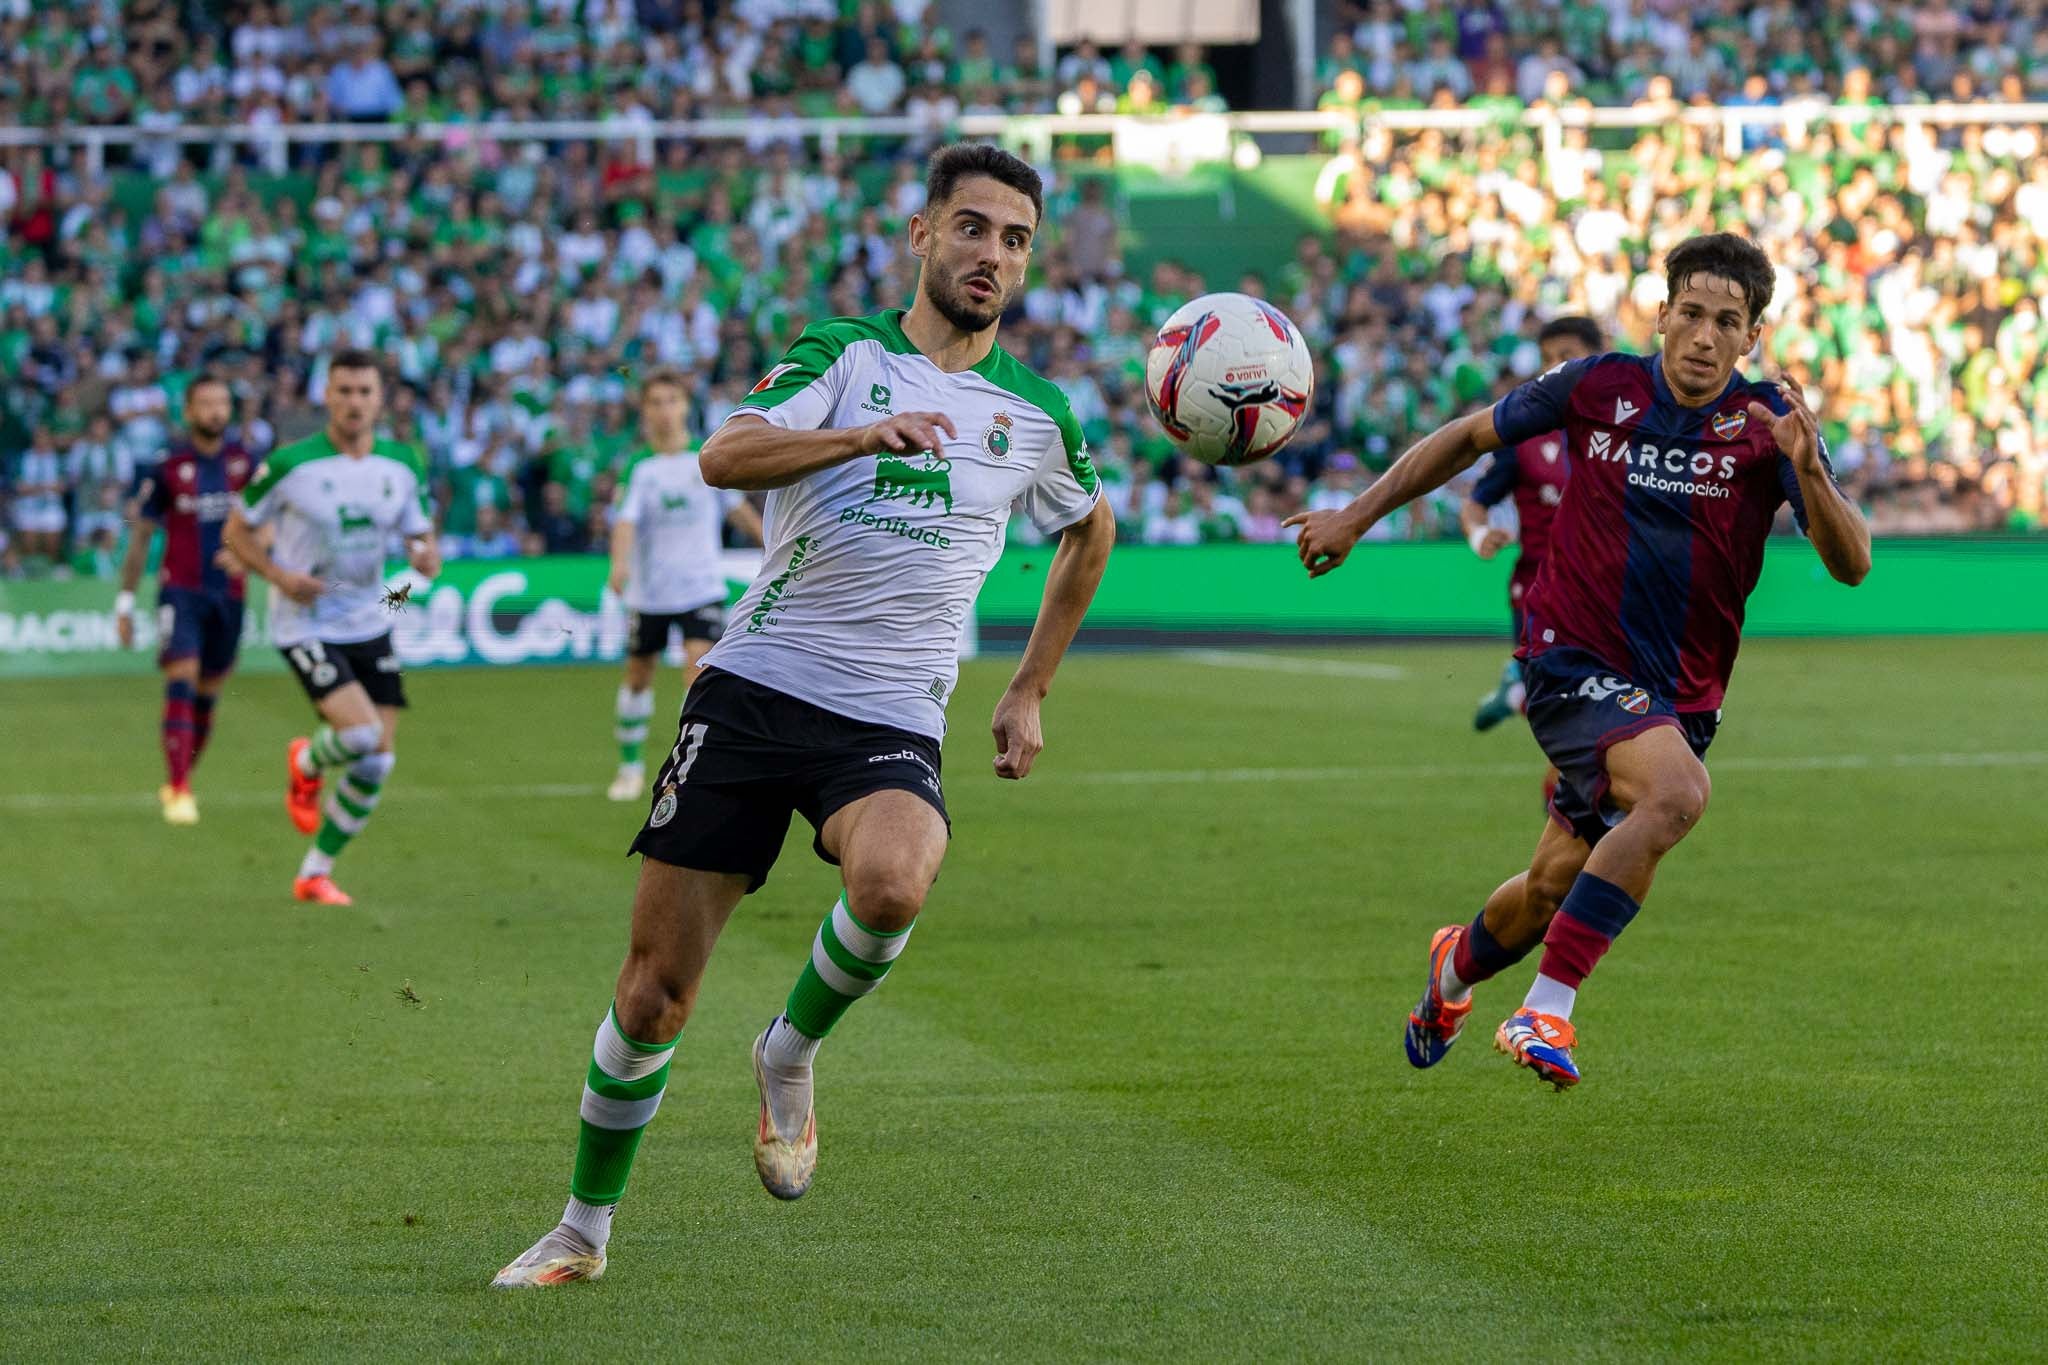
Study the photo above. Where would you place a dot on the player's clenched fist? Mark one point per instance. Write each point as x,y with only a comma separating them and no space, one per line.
906,431
1326,538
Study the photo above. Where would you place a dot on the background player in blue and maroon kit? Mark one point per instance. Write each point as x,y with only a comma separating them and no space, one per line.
1533,472
1679,466
199,583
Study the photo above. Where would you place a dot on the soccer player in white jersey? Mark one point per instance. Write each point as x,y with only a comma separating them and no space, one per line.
894,446
337,499
665,544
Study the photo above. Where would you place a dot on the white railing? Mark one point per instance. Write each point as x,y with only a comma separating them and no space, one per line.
1031,130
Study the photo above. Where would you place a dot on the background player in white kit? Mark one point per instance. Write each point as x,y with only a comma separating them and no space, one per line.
665,545
337,500
896,446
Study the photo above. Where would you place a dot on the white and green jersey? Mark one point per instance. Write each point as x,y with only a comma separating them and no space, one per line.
869,568
675,518
335,516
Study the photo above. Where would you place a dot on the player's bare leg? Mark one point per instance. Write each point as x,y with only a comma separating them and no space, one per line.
1505,931
180,743
359,738
889,846
1662,788
678,914
632,710
693,661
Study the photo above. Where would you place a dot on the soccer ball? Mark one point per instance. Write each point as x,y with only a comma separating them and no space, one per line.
1229,378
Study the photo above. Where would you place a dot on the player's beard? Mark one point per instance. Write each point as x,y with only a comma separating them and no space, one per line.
948,293
210,434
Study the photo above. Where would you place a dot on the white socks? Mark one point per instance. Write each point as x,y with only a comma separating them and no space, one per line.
315,863
786,1049
591,1222
1548,995
1454,991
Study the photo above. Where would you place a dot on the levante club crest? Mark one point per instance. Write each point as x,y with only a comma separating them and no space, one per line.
1729,425
996,440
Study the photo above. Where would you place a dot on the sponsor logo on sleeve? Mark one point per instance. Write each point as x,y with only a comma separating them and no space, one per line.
768,379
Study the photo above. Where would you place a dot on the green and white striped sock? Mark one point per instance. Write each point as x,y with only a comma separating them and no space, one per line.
620,1095
848,960
350,800
630,723
332,748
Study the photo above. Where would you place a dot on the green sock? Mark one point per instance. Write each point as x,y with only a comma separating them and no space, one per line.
327,750
350,800
848,960
629,726
620,1094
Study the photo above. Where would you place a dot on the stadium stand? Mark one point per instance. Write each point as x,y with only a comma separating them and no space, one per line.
515,287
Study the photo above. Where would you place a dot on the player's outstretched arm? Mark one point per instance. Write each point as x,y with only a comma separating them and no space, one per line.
248,547
1833,522
141,530
423,552
751,452
622,554
1484,537
1436,459
1069,587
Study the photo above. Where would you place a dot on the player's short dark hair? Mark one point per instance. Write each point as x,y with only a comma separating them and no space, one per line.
200,381
664,375
356,358
1729,257
958,161
1577,327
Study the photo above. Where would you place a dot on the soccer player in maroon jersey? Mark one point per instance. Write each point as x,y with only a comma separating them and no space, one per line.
199,582
1679,465
1534,474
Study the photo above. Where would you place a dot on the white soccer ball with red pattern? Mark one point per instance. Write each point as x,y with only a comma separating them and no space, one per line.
1229,378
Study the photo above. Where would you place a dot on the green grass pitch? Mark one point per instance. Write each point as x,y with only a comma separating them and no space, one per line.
1136,1089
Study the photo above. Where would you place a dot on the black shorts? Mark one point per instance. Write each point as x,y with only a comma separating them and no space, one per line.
647,632
1578,710
748,757
321,668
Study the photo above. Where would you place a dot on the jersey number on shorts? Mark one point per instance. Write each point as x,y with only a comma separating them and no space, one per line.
684,755
311,658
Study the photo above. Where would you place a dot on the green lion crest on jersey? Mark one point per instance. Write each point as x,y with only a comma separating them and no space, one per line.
924,479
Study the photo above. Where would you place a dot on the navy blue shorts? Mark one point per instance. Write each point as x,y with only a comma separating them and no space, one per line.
205,624
1579,708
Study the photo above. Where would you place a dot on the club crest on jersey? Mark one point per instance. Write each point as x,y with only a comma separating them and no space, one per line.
1550,452
1729,425
996,440
1636,703
1623,409
768,379
185,472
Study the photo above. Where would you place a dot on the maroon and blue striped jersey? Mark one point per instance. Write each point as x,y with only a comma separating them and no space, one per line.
1660,536
191,494
1534,472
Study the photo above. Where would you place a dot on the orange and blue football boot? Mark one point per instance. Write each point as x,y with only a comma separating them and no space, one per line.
1541,1042
1435,1023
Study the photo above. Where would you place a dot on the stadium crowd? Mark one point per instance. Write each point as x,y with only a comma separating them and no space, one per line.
515,288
